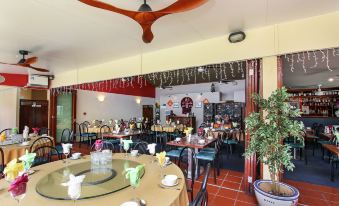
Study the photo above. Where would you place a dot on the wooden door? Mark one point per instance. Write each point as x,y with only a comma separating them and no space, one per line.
147,112
33,114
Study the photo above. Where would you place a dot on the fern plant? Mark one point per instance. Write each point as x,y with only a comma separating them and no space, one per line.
269,128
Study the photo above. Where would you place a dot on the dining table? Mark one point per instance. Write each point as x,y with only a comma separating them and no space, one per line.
16,150
122,135
103,185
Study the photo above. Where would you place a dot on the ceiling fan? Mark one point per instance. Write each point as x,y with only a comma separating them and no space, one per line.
27,62
145,17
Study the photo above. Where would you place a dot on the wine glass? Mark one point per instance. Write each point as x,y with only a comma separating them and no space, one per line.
66,152
19,192
74,192
126,148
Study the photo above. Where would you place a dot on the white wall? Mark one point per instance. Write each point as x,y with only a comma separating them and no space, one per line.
115,106
8,107
224,92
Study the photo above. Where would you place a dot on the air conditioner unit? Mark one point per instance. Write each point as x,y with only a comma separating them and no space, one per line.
37,81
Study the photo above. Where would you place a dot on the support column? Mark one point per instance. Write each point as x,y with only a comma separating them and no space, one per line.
269,84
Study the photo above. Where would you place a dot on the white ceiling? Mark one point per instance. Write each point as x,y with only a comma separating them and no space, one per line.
66,34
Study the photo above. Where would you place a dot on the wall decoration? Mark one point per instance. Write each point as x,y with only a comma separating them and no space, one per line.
176,105
163,106
205,101
198,105
170,103
186,105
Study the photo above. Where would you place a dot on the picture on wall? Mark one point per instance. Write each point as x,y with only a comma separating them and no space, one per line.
176,105
198,105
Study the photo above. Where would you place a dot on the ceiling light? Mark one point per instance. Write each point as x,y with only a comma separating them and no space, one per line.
138,100
2,79
331,79
236,37
101,98
145,7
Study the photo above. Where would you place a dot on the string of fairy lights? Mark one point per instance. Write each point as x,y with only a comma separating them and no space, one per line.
221,71
313,58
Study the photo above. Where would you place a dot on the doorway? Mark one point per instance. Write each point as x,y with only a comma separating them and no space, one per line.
33,113
147,112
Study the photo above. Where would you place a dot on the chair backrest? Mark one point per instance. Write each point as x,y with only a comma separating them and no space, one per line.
86,123
83,128
202,196
66,136
41,141
141,147
44,154
2,161
102,130
106,145
44,130
6,131
187,155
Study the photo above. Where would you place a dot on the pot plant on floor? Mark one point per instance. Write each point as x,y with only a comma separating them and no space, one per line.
267,130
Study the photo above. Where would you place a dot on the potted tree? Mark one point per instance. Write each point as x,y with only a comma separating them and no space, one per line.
267,130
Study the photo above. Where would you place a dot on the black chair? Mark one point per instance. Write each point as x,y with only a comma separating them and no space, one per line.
2,162
41,141
44,131
142,148
201,199
187,155
83,133
334,160
66,137
111,140
297,145
44,155
7,131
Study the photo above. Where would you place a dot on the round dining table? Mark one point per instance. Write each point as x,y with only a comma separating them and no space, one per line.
40,188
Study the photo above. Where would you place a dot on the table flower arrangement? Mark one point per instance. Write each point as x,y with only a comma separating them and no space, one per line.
13,169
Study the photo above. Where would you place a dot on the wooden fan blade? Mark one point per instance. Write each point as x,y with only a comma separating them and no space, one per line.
7,63
181,6
105,6
31,60
38,69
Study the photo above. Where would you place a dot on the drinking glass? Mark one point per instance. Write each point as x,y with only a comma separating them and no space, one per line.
126,148
19,192
66,153
74,192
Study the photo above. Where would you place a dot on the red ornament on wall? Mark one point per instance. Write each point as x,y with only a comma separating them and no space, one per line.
186,105
170,103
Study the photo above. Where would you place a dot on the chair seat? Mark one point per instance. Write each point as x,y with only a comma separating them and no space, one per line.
88,135
212,150
59,149
296,145
39,161
205,156
230,141
324,142
113,141
174,153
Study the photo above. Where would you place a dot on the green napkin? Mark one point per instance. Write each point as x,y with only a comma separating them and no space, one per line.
27,159
127,143
134,175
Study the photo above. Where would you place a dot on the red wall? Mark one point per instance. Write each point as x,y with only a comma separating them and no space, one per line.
19,80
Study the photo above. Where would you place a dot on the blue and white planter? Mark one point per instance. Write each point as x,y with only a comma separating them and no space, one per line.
267,199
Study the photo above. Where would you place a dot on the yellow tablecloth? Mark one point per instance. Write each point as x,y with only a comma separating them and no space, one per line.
15,150
97,130
148,190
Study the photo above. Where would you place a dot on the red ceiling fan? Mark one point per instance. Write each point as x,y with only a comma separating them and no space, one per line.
27,62
145,16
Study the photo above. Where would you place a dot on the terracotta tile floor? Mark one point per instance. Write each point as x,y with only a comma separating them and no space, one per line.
228,190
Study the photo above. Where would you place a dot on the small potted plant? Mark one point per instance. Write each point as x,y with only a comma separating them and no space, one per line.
268,129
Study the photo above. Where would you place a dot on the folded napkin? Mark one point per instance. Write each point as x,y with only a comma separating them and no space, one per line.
66,147
18,186
74,186
161,158
12,169
151,148
134,175
27,159
98,145
127,143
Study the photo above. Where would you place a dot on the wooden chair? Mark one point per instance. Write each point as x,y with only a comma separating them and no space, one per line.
201,198
187,155
141,147
44,155
41,141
